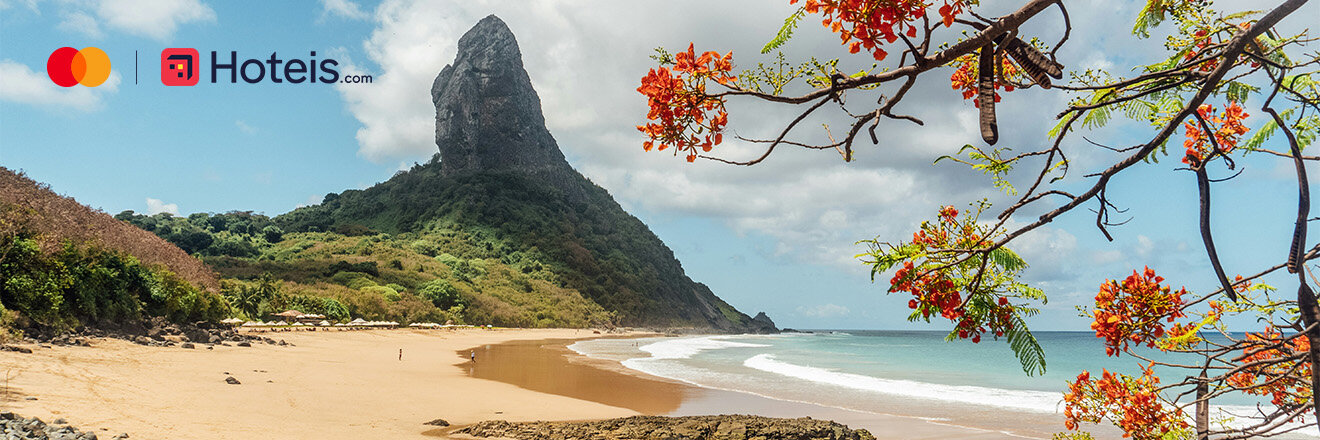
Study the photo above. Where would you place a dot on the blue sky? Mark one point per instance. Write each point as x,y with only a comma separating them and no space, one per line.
777,237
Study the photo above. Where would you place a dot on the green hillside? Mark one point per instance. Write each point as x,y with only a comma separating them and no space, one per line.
64,265
579,237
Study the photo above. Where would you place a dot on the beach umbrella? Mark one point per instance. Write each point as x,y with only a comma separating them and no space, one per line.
281,323
324,323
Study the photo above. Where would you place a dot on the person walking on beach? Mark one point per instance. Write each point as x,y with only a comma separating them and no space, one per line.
400,354
473,354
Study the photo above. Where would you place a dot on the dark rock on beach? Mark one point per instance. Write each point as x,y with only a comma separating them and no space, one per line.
13,426
152,332
723,427
437,422
230,380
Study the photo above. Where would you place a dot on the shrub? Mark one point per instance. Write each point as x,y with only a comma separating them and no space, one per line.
361,283
424,247
272,234
441,293
384,292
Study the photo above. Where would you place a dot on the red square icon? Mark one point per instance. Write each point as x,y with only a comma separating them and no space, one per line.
179,67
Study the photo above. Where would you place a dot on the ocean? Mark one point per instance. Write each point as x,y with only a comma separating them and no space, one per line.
905,373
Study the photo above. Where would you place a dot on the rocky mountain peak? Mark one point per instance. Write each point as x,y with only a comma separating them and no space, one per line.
487,115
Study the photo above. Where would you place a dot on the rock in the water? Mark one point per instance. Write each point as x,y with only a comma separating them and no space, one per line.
761,323
230,380
244,344
724,427
437,422
188,345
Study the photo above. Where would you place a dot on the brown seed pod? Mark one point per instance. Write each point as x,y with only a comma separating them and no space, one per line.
1034,63
985,94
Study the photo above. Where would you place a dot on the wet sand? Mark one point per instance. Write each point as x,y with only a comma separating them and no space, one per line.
548,366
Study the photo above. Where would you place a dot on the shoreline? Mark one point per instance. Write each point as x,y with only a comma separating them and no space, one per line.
587,373
352,385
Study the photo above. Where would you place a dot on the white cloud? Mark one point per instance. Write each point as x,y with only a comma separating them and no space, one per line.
155,19
412,42
156,206
22,85
824,311
80,22
244,127
342,8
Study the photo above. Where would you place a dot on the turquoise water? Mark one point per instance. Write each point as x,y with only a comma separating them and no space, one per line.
908,373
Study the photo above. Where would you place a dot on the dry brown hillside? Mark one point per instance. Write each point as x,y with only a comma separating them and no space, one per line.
63,218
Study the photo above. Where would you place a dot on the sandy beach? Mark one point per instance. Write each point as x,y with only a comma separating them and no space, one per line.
331,385
352,385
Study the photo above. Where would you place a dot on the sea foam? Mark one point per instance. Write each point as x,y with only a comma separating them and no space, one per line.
688,347
1036,401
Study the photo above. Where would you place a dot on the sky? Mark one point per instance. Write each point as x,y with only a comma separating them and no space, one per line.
779,237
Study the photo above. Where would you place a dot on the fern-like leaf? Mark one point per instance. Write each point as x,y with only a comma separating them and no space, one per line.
785,32
1026,347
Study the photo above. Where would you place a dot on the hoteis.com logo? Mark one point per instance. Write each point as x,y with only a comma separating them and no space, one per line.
184,67
178,67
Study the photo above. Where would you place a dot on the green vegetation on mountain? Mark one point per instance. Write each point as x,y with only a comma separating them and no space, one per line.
64,265
573,235
430,276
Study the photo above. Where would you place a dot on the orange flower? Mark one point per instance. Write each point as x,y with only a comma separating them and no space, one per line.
1227,127
875,22
1130,403
686,116
1277,372
1131,312
934,293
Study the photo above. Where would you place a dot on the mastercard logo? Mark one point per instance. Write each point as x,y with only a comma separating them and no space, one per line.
68,66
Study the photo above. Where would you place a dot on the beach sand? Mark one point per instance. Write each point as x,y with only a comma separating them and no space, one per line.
351,385
331,385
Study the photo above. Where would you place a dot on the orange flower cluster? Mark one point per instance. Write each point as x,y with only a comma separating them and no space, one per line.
1131,311
874,22
1203,40
1275,377
934,293
687,117
965,77
1131,403
1228,130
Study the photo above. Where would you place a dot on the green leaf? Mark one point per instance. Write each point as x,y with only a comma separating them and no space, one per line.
785,32
1025,346
1007,259
1150,16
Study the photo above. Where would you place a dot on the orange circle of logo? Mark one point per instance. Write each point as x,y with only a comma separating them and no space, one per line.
68,66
